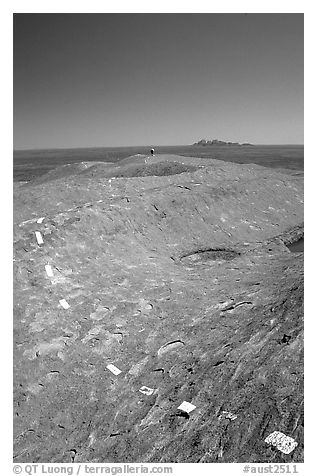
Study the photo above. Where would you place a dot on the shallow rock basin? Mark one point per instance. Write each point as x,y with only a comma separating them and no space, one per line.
297,246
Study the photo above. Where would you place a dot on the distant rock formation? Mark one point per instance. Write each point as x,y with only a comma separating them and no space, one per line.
205,142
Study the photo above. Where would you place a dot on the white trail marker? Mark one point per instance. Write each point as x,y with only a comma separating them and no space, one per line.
39,238
284,443
146,390
186,407
113,369
64,304
49,270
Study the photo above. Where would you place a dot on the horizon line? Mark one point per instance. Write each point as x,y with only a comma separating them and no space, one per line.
136,146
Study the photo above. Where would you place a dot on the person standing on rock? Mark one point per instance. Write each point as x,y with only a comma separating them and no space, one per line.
152,154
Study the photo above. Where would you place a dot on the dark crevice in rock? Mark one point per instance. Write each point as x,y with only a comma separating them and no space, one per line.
234,306
218,363
183,186
213,254
73,455
170,346
285,339
182,414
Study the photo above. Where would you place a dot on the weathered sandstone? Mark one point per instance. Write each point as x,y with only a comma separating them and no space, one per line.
176,272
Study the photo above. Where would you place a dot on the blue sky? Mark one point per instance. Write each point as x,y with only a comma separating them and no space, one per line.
89,80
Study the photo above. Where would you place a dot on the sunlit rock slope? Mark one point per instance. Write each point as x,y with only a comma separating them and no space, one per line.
175,270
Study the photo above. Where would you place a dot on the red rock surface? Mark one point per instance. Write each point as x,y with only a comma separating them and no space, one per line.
184,283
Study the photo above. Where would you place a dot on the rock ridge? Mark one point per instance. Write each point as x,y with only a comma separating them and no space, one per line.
176,271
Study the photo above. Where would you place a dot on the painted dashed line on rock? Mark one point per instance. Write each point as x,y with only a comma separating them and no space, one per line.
113,369
39,238
64,303
49,270
186,407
